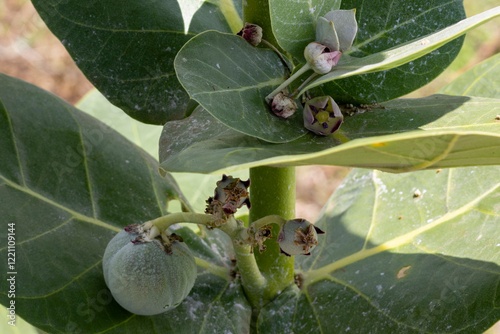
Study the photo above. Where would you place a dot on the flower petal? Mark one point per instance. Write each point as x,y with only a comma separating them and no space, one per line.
326,34
345,26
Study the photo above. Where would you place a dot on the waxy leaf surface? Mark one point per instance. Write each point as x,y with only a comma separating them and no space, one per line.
408,253
126,48
482,80
410,53
398,136
231,81
69,183
196,188
294,22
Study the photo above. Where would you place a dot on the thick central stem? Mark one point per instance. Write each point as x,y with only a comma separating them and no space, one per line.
272,192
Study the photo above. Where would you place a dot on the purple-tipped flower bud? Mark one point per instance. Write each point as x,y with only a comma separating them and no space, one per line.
252,33
322,115
321,58
283,106
298,237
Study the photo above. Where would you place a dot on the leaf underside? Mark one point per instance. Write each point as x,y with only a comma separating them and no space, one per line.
397,136
481,80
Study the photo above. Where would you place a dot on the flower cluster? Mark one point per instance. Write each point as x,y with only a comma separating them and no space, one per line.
335,34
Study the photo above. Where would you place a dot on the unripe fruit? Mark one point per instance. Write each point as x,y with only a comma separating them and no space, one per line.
298,237
143,278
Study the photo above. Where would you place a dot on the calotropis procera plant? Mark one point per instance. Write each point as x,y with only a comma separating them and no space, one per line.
415,252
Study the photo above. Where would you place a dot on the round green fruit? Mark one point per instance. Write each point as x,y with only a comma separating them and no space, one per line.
143,278
298,237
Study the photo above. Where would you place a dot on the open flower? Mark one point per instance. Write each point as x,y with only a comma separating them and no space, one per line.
335,33
322,115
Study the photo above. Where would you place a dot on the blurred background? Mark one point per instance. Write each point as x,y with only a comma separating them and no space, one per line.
30,52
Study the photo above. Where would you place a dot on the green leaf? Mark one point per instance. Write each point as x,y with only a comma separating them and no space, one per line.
294,22
126,49
400,55
395,262
384,25
482,80
230,78
398,136
69,183
196,188
143,135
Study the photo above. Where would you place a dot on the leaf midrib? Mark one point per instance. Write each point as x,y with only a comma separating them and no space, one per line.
75,214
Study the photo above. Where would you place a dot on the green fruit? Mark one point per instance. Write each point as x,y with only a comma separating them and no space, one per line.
143,278
298,237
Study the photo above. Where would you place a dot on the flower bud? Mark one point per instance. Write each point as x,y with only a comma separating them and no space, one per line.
252,33
321,58
283,106
298,237
322,115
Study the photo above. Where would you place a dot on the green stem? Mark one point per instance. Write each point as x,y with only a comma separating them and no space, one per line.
164,222
267,220
312,76
272,192
253,281
288,81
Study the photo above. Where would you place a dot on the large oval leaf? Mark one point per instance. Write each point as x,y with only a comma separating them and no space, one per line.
411,253
481,80
387,24
398,136
126,49
230,78
69,183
